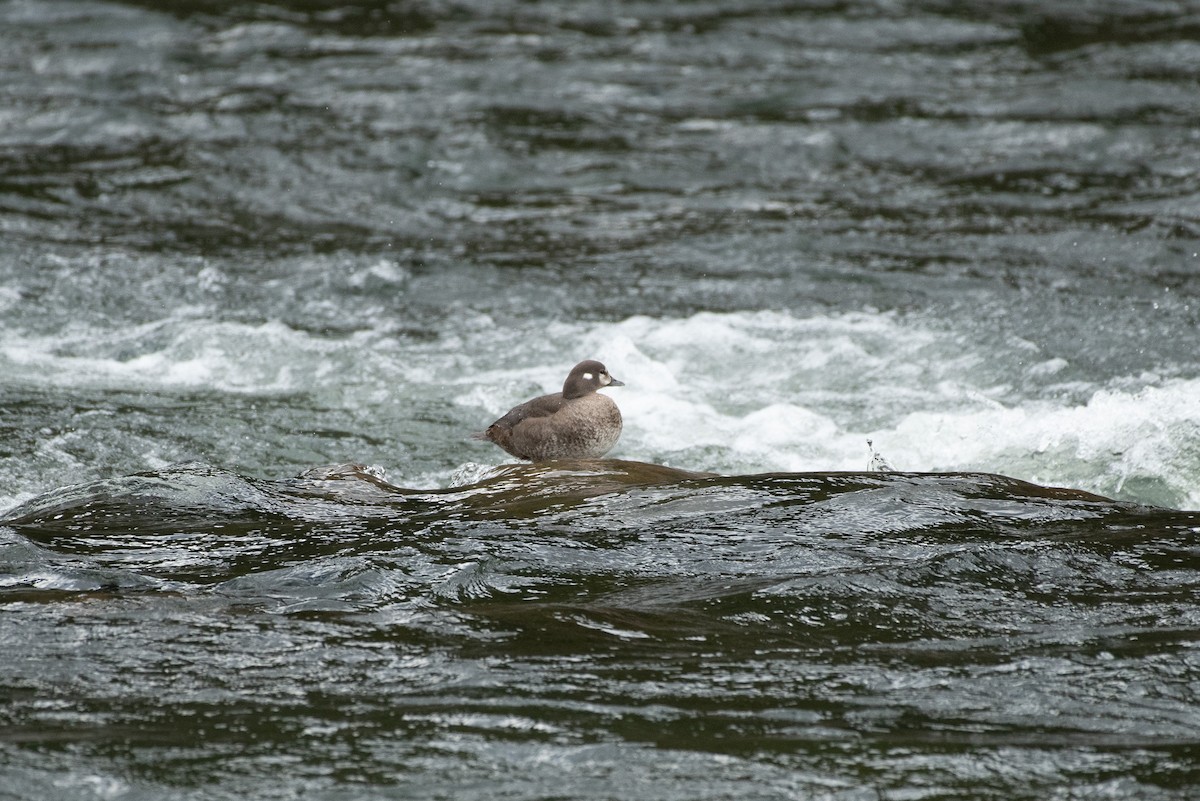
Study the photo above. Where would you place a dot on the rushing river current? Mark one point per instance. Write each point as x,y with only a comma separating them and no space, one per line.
265,267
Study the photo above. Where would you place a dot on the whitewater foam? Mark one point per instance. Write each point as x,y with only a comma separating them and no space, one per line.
766,391
728,392
178,352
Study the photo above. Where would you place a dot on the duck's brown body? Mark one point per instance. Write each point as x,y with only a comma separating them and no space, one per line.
577,423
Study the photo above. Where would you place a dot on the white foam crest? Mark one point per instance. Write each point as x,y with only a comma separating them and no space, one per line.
731,392
1142,444
752,359
178,352
766,391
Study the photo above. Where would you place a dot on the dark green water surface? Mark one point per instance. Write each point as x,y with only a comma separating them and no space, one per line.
599,630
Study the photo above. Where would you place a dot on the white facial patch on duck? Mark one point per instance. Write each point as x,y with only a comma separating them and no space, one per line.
588,376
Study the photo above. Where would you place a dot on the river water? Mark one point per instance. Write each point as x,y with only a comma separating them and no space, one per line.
245,246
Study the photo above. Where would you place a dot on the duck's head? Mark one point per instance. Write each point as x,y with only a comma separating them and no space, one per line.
588,376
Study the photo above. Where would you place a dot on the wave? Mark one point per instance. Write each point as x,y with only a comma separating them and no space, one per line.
196,525
736,393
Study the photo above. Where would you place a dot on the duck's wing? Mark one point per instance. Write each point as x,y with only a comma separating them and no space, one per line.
544,406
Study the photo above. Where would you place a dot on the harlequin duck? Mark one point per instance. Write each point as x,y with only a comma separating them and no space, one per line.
577,423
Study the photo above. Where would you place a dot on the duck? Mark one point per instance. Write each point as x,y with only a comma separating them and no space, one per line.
577,423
